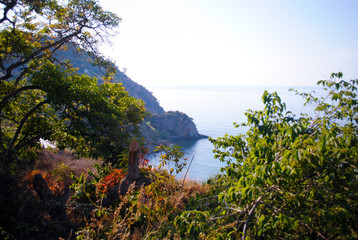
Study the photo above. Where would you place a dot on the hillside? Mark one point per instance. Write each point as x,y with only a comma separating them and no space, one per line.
161,127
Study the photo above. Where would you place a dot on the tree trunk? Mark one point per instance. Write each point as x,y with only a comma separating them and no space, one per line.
133,161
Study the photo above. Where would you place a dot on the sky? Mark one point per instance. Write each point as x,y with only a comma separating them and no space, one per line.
234,42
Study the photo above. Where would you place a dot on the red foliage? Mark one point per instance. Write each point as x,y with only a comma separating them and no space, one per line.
110,180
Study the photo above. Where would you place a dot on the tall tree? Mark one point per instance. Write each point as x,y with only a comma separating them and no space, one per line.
42,96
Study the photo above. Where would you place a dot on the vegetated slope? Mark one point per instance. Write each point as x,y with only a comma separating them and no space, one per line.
83,62
160,127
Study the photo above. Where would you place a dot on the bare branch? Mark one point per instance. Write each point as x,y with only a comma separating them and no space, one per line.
225,216
236,210
350,164
251,213
318,233
187,172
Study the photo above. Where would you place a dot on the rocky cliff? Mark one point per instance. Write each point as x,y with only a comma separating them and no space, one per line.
175,126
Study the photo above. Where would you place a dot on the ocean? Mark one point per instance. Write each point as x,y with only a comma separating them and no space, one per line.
214,109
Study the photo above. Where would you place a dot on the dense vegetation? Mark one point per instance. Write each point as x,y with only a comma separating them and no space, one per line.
44,97
288,177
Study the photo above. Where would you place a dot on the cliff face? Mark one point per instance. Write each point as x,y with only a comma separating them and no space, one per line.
161,127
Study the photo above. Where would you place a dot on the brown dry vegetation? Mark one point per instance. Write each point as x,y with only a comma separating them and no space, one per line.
53,159
158,202
56,167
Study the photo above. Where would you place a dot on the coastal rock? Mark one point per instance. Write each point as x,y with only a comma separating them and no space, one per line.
171,126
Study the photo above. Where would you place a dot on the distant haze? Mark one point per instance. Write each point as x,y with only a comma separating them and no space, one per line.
235,42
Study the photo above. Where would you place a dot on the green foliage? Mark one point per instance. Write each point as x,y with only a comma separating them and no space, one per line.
98,119
287,177
84,190
84,187
42,96
192,223
171,155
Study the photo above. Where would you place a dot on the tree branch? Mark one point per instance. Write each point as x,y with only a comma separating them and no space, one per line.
9,5
276,210
318,233
22,122
217,218
236,211
251,213
37,137
37,52
18,79
15,92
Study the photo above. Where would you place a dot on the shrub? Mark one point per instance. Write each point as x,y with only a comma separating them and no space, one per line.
288,177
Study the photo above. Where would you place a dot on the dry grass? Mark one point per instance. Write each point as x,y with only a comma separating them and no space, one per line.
159,202
56,168
190,189
52,159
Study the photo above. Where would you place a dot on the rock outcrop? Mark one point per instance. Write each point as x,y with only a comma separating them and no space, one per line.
175,125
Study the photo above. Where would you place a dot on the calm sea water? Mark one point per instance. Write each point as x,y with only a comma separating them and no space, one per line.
214,110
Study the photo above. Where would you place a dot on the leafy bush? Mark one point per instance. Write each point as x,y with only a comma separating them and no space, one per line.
171,155
92,185
288,177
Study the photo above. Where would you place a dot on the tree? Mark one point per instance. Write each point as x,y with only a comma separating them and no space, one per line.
288,177
42,96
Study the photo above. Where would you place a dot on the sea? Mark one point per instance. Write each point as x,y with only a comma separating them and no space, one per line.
214,110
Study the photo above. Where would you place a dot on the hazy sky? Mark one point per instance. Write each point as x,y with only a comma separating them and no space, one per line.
235,42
